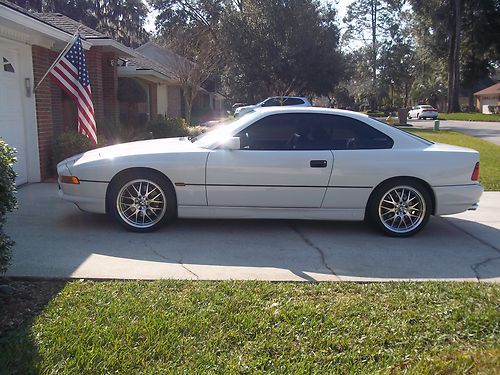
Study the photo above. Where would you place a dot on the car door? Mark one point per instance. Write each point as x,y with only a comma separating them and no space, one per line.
277,166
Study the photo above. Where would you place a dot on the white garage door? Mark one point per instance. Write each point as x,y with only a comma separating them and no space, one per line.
12,128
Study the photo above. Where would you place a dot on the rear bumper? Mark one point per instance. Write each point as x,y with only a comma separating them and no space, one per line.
457,198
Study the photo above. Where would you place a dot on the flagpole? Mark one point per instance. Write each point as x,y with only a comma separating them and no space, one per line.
65,49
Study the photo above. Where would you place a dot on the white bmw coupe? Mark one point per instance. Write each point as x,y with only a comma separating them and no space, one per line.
278,163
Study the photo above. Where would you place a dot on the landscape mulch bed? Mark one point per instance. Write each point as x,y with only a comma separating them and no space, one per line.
29,299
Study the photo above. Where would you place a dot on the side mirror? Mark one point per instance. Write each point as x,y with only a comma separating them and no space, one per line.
232,143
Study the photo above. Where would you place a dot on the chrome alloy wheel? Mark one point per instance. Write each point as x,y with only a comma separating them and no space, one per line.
402,209
141,203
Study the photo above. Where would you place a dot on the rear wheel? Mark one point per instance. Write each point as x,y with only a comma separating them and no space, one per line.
142,201
400,208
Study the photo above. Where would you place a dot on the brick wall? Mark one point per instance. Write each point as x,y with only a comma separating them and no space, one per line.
109,86
94,66
153,100
174,107
42,59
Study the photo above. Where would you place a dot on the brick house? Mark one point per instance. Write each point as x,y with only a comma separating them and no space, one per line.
488,99
29,43
30,122
158,64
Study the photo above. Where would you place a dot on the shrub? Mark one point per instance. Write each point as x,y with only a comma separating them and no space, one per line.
169,127
70,143
112,132
7,199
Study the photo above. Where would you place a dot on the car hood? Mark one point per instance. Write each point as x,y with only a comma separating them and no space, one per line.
153,146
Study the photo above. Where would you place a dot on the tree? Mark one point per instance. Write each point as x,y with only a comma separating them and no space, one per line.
122,20
193,72
372,22
443,20
480,50
190,29
280,47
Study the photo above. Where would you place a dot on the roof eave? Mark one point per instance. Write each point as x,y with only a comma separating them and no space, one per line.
30,24
112,46
147,74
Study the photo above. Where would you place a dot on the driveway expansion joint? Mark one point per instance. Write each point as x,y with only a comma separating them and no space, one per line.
471,235
179,262
311,244
475,267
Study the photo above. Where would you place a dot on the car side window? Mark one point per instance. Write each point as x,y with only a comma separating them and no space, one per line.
348,133
312,131
274,132
271,103
293,101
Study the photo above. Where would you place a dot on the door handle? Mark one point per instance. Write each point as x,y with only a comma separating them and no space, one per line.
318,163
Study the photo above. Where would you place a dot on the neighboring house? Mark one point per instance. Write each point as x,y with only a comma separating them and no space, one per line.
208,98
30,122
488,99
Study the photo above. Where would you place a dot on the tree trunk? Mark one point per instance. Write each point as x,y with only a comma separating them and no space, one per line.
188,100
374,51
453,57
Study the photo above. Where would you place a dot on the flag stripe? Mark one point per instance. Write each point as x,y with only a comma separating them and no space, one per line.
73,90
70,73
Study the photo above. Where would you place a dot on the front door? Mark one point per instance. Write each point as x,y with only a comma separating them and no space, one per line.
277,166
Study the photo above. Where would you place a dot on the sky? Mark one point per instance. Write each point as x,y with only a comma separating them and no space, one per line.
341,8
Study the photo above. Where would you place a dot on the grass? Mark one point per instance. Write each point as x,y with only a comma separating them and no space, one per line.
470,116
489,174
247,327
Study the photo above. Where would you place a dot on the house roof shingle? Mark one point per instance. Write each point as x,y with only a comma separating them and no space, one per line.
69,25
141,62
494,89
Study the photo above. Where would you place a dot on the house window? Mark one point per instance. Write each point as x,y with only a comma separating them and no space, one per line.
7,66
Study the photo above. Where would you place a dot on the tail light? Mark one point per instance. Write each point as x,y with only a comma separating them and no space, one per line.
475,174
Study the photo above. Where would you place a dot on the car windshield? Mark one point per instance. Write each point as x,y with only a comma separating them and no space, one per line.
427,106
223,131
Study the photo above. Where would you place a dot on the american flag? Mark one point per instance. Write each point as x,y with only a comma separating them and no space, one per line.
71,74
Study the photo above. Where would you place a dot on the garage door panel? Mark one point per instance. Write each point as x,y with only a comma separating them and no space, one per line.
12,126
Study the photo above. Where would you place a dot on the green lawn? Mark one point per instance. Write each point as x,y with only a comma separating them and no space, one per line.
469,117
489,172
247,327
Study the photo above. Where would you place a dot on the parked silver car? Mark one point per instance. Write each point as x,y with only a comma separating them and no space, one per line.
274,101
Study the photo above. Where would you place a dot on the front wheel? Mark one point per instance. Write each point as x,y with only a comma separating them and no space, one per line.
400,208
143,201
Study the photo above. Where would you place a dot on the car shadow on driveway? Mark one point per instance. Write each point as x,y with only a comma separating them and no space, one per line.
54,239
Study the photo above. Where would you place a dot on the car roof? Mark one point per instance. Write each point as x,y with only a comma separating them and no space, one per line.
287,97
291,109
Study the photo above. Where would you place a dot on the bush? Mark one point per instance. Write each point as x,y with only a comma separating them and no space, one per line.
113,132
70,143
169,127
7,199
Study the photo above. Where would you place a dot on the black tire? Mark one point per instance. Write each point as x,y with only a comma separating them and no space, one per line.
156,202
380,208
418,116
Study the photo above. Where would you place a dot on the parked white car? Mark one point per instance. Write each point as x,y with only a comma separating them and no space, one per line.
423,111
278,163
275,101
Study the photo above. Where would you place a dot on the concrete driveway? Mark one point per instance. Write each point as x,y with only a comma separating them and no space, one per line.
489,131
54,239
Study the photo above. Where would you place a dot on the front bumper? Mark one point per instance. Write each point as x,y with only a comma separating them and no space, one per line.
457,198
